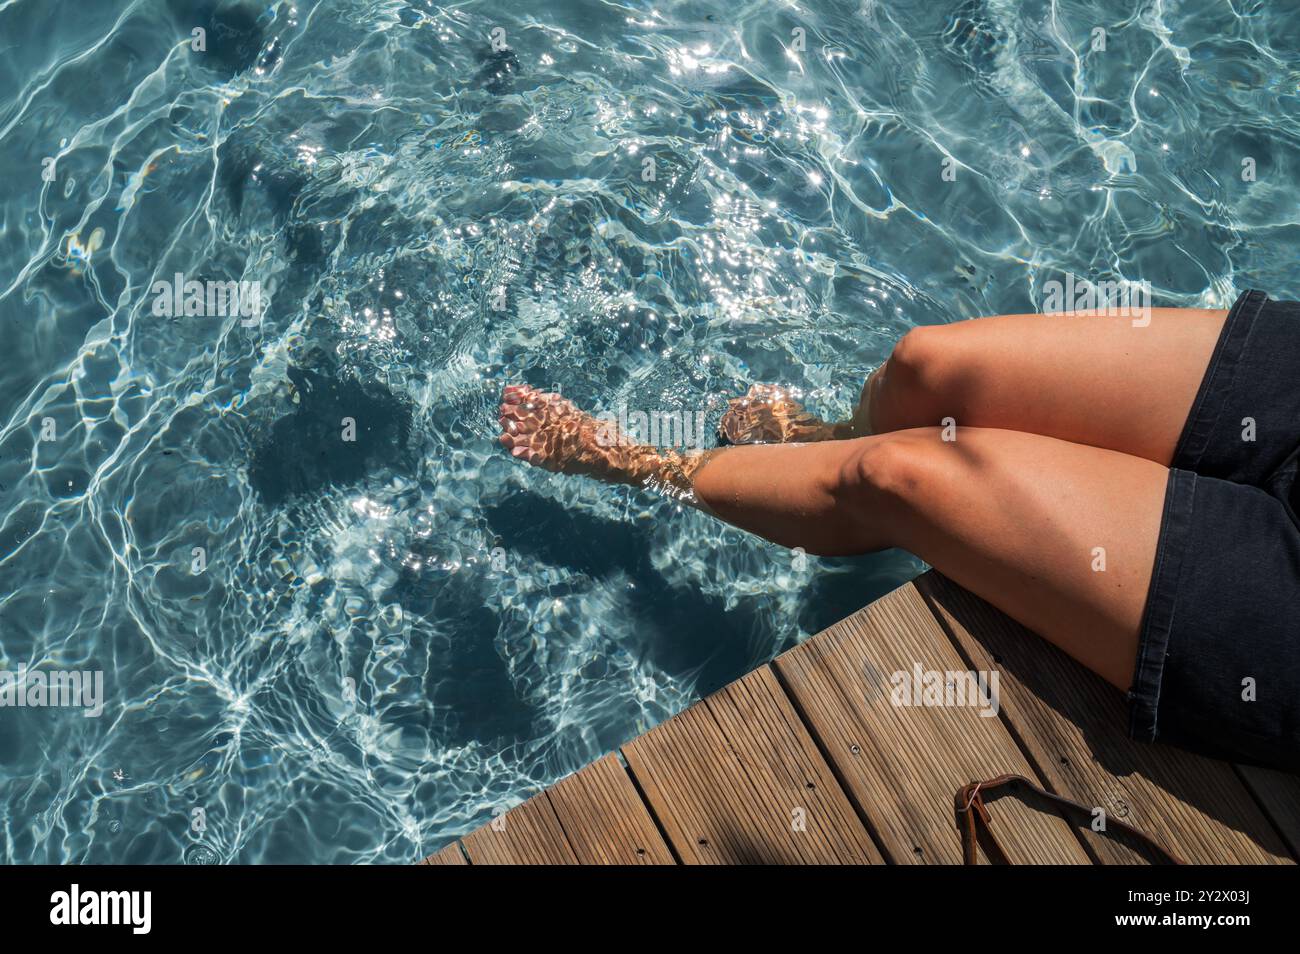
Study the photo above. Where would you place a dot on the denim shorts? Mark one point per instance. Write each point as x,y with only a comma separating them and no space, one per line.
1218,667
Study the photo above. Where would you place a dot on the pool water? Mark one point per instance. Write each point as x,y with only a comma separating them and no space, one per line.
317,649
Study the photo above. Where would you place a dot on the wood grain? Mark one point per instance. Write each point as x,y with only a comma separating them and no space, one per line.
736,779
528,834
904,764
1074,725
604,818
448,855
1279,795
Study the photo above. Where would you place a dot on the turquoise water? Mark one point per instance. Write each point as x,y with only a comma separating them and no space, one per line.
318,650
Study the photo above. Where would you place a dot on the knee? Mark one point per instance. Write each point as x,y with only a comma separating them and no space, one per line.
921,357
885,470
892,485
913,379
884,485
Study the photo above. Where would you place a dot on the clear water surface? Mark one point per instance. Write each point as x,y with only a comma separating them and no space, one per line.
391,640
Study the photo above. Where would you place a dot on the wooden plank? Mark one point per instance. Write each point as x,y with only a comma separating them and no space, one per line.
448,855
1279,794
904,764
528,834
772,743
605,819
1074,725
735,779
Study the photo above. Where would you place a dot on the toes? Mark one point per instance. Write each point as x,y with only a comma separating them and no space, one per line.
521,395
543,428
518,447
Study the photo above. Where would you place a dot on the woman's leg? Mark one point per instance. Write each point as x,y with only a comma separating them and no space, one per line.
1059,536
1096,380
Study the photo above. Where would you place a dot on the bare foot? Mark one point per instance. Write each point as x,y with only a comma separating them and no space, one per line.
768,415
548,431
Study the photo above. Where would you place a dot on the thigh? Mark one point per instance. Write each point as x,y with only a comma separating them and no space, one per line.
1096,380
1059,536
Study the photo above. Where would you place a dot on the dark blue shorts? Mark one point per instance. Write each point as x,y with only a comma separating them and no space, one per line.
1218,668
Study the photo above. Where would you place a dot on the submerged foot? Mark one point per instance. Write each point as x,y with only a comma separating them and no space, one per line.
548,431
768,415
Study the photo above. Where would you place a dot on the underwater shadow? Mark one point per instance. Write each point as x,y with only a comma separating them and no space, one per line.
849,584
235,37
339,430
681,631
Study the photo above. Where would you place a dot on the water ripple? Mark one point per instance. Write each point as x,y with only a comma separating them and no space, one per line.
387,644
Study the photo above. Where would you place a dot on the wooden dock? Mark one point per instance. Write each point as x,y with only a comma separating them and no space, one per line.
807,760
